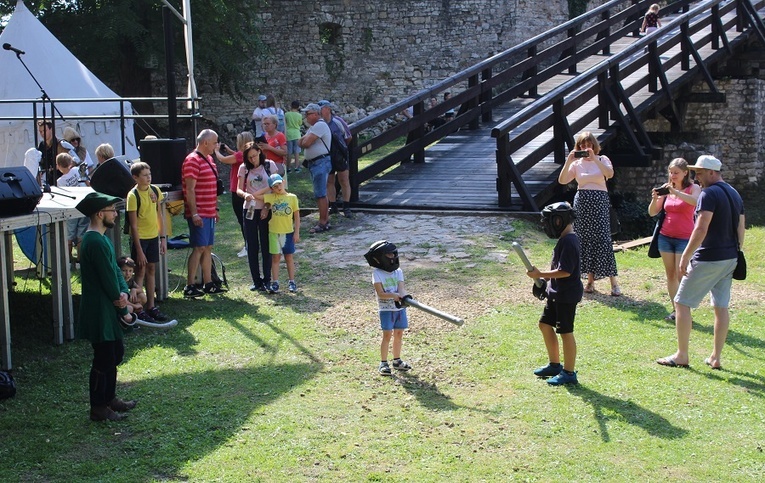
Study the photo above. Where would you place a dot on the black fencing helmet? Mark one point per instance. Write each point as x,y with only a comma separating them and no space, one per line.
556,217
376,256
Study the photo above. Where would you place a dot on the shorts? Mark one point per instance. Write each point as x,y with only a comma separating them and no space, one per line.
393,319
150,247
704,277
76,228
203,236
668,244
559,315
293,147
281,243
320,170
340,166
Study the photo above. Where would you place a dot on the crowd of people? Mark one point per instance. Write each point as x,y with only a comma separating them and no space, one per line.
701,232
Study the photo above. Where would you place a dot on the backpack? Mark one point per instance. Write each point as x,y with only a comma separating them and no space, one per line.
126,226
338,151
7,386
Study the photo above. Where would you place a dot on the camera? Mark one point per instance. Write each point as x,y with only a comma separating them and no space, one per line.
581,154
662,190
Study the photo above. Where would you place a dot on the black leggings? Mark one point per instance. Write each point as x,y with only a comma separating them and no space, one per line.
236,204
256,234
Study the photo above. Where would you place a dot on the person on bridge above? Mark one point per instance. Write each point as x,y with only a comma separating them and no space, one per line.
651,20
590,170
678,200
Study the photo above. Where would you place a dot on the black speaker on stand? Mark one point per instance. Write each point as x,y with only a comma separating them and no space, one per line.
165,157
19,191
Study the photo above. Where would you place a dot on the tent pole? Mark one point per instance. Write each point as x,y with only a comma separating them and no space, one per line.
172,107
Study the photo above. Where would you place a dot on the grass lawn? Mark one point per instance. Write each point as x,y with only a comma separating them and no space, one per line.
284,388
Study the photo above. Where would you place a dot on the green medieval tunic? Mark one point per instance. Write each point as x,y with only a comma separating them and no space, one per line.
102,284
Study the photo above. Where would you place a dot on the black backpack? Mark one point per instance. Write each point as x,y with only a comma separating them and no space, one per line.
338,151
7,386
126,226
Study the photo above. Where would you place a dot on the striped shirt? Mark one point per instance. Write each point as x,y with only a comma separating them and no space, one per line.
206,190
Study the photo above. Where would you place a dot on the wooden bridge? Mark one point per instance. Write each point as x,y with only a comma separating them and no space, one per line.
520,110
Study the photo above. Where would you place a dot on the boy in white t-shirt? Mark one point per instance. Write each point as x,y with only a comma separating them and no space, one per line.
75,227
388,281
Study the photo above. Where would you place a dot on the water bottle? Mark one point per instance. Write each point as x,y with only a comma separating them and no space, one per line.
250,211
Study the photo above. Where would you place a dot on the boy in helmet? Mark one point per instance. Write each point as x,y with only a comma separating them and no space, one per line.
388,281
563,293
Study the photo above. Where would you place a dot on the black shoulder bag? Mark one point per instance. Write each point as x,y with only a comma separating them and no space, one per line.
220,187
739,273
653,248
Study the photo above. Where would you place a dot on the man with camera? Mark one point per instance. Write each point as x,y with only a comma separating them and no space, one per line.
709,259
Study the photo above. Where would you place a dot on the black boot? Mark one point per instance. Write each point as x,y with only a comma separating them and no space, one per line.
105,413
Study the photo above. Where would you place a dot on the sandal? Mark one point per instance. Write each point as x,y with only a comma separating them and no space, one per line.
589,288
319,228
616,291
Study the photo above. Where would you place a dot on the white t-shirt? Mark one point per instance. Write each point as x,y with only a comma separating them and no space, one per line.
70,179
389,281
320,129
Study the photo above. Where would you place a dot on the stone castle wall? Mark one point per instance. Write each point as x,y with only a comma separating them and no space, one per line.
374,53
731,131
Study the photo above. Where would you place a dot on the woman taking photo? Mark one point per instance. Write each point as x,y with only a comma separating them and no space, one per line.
235,159
253,176
590,170
678,200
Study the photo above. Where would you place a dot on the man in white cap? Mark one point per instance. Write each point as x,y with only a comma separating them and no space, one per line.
708,261
257,116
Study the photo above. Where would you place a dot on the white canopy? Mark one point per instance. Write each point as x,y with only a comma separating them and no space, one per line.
62,76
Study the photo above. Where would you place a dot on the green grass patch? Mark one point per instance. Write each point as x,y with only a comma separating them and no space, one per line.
284,388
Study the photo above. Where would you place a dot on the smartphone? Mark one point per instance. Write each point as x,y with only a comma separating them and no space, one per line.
581,154
662,191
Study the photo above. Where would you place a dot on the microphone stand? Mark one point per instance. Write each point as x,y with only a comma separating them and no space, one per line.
45,99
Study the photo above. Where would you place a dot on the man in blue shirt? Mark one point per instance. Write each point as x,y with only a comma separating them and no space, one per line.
708,261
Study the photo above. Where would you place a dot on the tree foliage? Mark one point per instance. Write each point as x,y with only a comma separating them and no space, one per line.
122,41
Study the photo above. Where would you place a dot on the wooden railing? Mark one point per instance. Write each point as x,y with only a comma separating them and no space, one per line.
606,84
508,75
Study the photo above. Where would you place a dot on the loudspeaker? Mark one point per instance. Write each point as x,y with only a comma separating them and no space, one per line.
165,158
19,191
113,177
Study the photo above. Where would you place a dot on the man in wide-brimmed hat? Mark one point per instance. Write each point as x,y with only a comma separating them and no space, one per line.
103,304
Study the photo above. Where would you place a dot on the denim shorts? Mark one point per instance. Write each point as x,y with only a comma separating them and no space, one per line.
672,245
320,170
203,236
393,319
76,228
705,277
293,147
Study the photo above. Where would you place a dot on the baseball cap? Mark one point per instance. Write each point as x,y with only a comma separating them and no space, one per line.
312,108
262,98
274,179
707,162
324,102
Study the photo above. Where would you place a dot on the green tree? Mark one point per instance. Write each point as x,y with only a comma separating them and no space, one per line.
122,41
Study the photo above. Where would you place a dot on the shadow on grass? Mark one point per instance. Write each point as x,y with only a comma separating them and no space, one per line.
607,408
428,394
753,383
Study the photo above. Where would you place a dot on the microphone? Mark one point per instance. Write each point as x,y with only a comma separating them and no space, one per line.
8,46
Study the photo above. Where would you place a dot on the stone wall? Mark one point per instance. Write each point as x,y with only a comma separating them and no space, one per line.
732,131
375,53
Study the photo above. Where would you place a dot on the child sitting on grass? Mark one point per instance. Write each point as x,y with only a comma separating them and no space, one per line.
137,297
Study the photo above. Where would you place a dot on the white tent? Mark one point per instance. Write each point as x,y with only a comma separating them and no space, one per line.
62,76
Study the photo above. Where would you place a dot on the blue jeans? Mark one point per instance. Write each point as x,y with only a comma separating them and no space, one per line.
320,170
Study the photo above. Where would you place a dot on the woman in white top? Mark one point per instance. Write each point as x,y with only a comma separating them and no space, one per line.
252,176
591,204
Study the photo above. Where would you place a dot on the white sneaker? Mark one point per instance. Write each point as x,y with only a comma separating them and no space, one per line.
242,253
